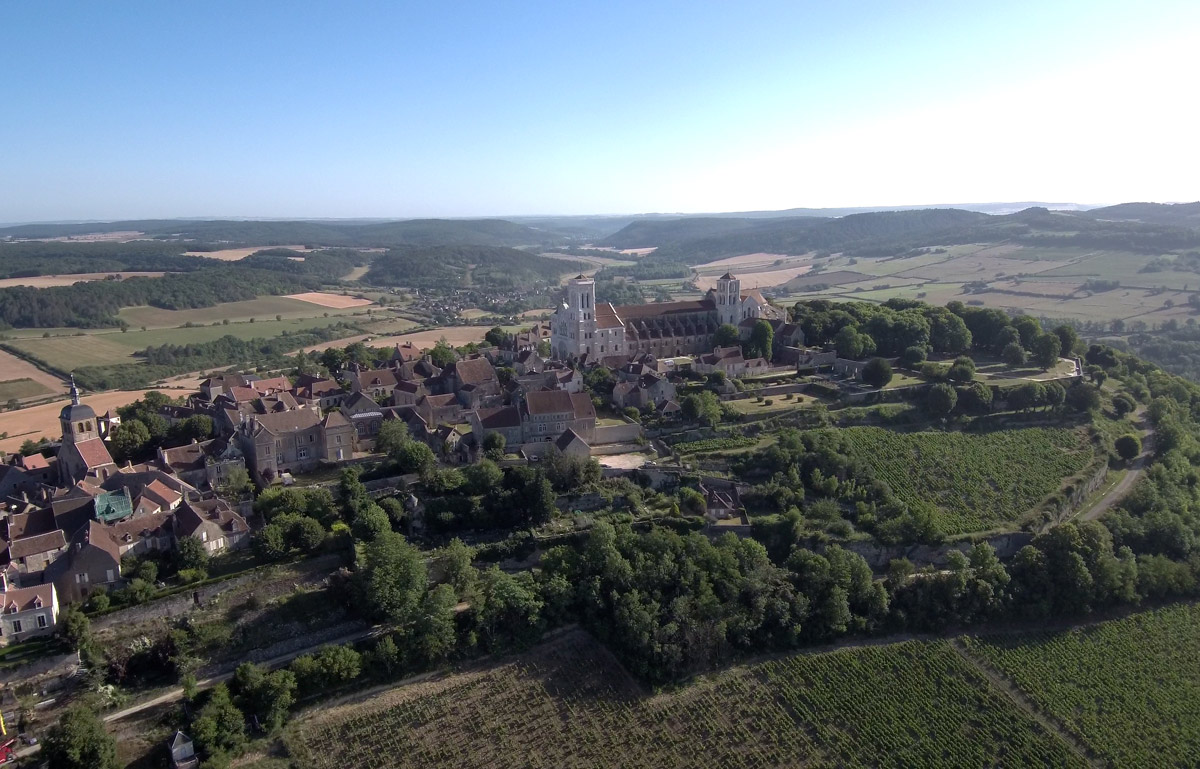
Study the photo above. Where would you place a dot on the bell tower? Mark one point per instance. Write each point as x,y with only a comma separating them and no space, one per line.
77,420
729,299
581,314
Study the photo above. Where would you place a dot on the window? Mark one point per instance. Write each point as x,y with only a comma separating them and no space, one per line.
278,444
204,536
41,620
339,440
16,626
312,438
302,453
108,576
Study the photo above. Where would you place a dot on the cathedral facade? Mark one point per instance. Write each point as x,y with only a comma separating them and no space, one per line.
581,328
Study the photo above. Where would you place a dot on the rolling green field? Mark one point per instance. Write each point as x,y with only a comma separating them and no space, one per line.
261,309
568,704
21,388
109,347
977,481
1129,688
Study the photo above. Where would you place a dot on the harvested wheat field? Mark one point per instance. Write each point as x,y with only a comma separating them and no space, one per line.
37,421
237,254
336,301
455,336
759,258
50,281
757,279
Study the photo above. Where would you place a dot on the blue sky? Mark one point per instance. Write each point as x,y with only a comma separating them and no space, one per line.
348,109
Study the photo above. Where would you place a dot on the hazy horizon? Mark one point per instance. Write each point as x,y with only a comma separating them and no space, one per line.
384,111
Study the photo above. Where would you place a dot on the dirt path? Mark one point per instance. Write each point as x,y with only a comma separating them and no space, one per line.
1018,698
1118,492
177,693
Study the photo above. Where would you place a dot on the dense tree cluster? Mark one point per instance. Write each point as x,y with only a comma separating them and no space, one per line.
444,266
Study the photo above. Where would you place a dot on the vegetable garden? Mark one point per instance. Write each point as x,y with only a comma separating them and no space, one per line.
977,481
1129,688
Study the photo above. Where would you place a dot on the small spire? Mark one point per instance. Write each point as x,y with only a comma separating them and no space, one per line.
74,391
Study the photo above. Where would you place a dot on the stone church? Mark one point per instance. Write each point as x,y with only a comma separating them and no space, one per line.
581,328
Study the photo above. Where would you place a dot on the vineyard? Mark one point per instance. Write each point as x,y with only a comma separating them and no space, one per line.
1129,688
568,704
977,481
715,444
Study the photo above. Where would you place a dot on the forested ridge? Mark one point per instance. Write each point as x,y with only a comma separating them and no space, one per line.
463,265
95,304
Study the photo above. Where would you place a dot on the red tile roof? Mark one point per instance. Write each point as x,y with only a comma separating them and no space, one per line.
94,453
26,598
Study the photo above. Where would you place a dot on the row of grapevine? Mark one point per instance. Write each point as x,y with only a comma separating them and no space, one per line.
977,481
1128,688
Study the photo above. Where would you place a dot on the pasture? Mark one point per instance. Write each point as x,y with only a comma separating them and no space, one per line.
567,703
261,309
111,347
21,389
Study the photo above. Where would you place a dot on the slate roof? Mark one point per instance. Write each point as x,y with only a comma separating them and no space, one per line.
583,406
569,436
548,402
500,417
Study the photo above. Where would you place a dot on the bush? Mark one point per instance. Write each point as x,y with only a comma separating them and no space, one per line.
877,373
913,356
1128,446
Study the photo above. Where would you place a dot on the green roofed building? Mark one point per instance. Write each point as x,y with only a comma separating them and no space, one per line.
113,506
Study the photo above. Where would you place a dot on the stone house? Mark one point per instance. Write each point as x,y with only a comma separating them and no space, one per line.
378,384
547,414
29,556
93,559
294,441
440,409
26,612
202,463
505,420
569,444
213,522
325,394
367,418
849,368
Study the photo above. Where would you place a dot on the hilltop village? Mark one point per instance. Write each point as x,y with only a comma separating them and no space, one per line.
429,504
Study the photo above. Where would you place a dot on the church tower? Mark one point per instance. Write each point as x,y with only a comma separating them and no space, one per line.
729,299
574,326
78,421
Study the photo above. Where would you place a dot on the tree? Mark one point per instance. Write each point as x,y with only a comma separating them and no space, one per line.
483,475
508,611
1083,397
75,627
1026,396
1123,404
13,404
219,727
435,632
370,523
1056,395
1013,355
495,336
414,457
1068,340
493,445
455,560
1028,328
392,579
79,741
762,339
442,354
877,373
266,696
962,370
1128,446
848,343
393,434
236,482
941,399
129,439
191,554
913,356
726,335
270,543
1045,350
976,398
701,407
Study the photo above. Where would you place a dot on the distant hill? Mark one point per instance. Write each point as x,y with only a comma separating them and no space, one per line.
650,233
798,235
486,232
466,265
1178,214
